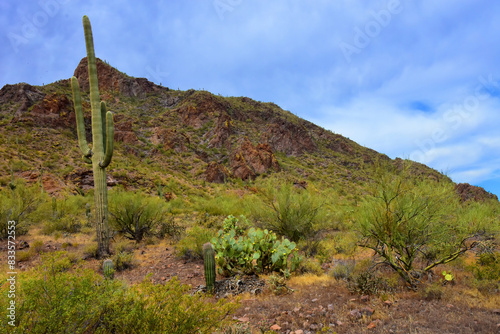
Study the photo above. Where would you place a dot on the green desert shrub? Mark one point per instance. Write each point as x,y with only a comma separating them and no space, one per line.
64,215
486,273
342,269
191,245
135,215
24,255
35,248
169,227
17,203
90,251
345,243
311,266
487,267
123,260
50,301
290,212
125,246
368,283
222,204
432,291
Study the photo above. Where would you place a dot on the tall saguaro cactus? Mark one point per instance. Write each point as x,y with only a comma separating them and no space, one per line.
102,139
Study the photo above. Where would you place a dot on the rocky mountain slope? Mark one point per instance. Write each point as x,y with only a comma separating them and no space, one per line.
184,141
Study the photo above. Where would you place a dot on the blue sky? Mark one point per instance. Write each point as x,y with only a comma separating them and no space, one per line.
411,79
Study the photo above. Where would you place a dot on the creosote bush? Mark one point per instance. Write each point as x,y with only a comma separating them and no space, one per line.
343,269
64,215
191,245
123,260
135,215
17,204
486,273
290,212
90,251
367,283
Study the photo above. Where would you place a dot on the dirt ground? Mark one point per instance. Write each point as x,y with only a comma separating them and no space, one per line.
318,304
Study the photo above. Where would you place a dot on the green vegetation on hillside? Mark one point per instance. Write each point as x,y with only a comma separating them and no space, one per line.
185,164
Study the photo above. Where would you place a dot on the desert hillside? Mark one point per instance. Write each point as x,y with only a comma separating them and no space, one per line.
311,232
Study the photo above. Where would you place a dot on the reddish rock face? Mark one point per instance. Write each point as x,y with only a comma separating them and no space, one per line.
170,139
199,108
123,130
112,80
55,111
470,192
220,134
248,160
51,184
289,138
216,173
26,94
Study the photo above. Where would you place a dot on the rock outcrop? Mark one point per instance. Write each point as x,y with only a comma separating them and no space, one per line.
287,137
112,80
469,192
22,96
51,184
216,173
169,139
123,130
220,134
248,161
54,111
199,108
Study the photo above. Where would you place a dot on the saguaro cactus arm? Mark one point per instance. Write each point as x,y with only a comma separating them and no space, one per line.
109,136
103,118
80,125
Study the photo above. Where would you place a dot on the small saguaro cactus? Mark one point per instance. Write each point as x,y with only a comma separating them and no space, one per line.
108,269
209,261
102,139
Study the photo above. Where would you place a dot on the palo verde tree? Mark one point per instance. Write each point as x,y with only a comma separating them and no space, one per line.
102,139
414,222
